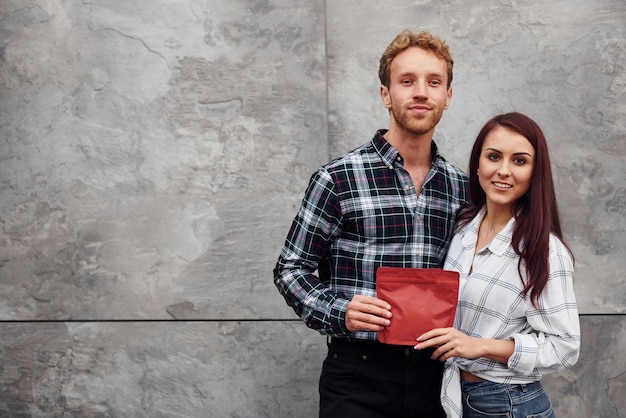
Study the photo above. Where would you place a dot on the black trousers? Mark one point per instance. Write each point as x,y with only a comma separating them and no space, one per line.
368,379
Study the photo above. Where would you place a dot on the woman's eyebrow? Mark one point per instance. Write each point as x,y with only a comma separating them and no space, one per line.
515,153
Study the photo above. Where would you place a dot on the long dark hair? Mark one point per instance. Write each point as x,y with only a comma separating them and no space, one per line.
536,213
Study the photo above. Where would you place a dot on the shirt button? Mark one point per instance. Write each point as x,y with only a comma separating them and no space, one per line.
418,253
407,187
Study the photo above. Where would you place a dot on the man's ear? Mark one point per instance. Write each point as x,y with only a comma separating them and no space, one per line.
449,98
384,94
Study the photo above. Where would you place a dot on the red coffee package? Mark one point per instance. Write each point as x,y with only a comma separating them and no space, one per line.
420,299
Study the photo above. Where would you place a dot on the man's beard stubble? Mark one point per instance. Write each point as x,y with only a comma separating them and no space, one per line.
417,126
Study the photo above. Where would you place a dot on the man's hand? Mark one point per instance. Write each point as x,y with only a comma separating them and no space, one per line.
367,314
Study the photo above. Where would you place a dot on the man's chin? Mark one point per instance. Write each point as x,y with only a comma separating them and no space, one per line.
421,129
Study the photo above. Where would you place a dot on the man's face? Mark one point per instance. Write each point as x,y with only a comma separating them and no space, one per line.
418,92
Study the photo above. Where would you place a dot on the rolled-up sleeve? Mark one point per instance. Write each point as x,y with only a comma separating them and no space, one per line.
554,343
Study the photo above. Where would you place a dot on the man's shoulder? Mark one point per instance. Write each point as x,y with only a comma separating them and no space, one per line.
452,169
357,156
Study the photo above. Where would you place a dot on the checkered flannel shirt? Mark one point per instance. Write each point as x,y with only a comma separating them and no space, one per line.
360,212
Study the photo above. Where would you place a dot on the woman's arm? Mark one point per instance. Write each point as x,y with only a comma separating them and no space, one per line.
451,342
552,344
555,342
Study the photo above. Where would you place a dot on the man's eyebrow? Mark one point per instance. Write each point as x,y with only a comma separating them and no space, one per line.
413,74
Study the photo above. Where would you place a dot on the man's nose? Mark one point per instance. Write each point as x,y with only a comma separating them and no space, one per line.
419,90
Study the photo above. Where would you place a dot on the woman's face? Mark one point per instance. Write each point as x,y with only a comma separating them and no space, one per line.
505,167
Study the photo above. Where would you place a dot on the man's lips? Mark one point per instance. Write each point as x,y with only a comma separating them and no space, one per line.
419,109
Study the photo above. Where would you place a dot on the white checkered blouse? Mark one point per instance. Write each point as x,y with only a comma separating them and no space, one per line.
547,338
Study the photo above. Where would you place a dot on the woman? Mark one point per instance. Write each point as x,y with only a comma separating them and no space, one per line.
517,317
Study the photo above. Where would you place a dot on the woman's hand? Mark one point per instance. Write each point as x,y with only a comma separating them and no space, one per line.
451,342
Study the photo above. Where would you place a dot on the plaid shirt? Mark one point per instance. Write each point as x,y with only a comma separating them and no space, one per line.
360,212
547,337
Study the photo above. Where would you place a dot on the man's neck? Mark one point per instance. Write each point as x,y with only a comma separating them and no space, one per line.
415,149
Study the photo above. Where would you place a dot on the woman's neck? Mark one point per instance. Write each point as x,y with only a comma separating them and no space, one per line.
496,218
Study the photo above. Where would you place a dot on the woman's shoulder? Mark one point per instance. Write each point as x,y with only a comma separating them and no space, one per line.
558,250
557,244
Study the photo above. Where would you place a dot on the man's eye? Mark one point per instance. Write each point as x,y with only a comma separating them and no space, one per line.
406,82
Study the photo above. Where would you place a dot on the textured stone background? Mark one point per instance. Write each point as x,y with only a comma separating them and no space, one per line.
154,152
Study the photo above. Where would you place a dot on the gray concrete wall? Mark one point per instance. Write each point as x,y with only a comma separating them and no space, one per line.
154,152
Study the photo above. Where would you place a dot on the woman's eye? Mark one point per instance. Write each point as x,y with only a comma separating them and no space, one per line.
493,157
520,161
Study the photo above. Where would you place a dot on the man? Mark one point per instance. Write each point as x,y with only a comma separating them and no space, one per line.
391,202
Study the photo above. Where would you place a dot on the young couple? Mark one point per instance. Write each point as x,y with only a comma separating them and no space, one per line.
397,202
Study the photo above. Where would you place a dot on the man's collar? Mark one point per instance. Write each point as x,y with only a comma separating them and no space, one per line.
389,154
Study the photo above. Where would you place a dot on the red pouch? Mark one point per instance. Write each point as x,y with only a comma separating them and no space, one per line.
420,299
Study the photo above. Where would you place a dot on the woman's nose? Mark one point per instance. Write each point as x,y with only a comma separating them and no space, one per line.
504,170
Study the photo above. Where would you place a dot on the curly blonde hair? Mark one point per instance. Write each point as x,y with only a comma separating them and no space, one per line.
407,39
